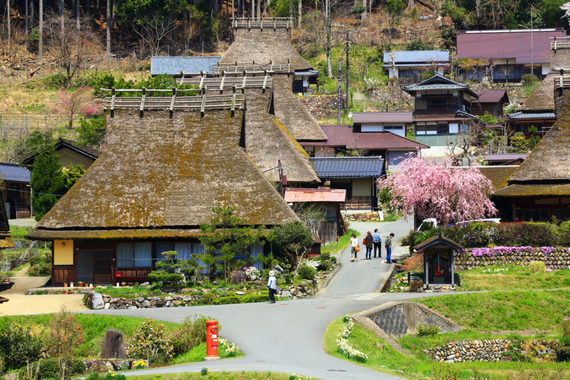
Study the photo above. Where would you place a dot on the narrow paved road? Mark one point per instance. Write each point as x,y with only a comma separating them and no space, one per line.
288,336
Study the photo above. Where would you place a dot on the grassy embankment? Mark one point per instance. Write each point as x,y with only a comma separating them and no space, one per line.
341,244
513,277
486,315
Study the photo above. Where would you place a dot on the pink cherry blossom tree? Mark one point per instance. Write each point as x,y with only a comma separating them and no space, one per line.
72,102
436,191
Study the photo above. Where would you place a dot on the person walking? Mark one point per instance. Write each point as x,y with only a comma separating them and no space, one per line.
272,286
369,243
377,240
388,245
354,247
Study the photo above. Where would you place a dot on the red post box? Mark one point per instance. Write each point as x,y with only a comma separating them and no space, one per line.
211,340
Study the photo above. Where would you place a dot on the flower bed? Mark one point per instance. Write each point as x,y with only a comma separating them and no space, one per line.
344,347
553,257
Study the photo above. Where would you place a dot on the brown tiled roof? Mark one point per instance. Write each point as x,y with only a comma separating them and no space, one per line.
382,117
506,44
491,96
343,136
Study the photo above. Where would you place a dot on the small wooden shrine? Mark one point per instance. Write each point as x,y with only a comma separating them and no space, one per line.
439,253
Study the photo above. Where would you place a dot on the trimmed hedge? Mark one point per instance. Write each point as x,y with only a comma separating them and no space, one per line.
505,234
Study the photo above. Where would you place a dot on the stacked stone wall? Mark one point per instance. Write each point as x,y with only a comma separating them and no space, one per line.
553,257
321,106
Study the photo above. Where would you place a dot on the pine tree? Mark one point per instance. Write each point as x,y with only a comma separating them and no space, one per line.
46,182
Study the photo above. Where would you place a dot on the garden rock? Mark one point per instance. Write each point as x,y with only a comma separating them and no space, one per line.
96,301
113,345
238,277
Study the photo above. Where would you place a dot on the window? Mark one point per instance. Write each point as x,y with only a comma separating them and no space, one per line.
131,255
453,128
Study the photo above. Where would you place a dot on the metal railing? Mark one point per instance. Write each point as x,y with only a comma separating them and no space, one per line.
171,103
264,22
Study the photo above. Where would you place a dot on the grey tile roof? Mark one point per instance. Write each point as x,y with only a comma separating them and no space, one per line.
414,56
531,115
187,65
417,87
13,172
348,167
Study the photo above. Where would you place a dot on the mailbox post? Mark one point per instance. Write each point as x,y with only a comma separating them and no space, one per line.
211,340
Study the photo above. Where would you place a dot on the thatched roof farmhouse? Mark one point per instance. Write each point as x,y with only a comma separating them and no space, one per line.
164,169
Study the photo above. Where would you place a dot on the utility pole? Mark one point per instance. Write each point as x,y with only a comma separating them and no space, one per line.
347,49
328,28
41,33
339,102
531,43
108,51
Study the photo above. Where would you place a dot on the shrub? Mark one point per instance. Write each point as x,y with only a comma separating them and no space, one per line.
563,354
528,79
150,342
325,256
323,265
227,349
190,334
564,233
49,368
537,266
306,272
428,330
65,335
76,367
18,346
333,259
40,265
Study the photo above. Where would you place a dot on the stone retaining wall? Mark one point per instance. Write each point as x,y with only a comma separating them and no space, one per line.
553,257
492,350
321,106
104,365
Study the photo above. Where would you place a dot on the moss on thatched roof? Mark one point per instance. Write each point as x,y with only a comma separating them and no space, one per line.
264,46
162,172
292,113
498,175
542,99
550,159
528,190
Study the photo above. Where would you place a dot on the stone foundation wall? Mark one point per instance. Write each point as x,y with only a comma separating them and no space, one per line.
553,257
493,350
321,106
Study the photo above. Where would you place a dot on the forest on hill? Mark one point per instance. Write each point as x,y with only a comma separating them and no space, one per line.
172,27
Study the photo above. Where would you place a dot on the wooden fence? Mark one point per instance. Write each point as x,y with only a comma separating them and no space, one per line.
228,82
264,22
253,68
558,43
171,103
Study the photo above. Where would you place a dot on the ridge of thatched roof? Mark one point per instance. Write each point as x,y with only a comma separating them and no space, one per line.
550,159
292,113
264,46
166,171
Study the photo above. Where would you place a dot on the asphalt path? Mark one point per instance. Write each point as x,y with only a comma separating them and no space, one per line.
288,336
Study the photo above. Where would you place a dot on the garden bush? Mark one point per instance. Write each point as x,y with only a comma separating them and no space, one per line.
323,265
190,334
325,256
150,342
537,266
65,335
40,265
306,272
48,368
428,330
18,346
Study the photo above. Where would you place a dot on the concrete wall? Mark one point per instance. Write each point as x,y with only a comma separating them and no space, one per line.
63,252
361,187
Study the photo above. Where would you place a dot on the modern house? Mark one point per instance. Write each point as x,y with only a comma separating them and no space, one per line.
165,167
392,147
440,110
356,175
410,65
180,66
506,55
69,153
491,102
540,188
16,190
396,122
499,159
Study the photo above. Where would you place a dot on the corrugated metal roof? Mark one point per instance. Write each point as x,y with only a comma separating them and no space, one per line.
315,195
502,44
428,64
187,65
310,73
414,56
531,115
382,117
348,167
10,171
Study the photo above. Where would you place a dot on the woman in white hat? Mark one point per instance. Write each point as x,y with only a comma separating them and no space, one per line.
272,286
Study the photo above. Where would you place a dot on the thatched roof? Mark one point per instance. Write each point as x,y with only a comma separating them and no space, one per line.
292,113
546,169
542,99
267,141
264,46
498,174
161,175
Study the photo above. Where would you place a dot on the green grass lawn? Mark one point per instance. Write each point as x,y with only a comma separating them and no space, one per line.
501,311
513,278
341,244
382,357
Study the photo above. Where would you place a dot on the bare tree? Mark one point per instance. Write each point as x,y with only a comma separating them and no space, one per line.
41,33
8,23
465,142
108,27
329,32
153,30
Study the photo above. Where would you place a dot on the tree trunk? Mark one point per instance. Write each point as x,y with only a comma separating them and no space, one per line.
363,14
300,12
61,23
108,51
77,22
259,9
252,8
8,23
41,34
27,21
328,28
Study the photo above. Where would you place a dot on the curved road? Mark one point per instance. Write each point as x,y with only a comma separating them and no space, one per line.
288,336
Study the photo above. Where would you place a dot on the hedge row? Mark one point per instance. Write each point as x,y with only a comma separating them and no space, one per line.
504,234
